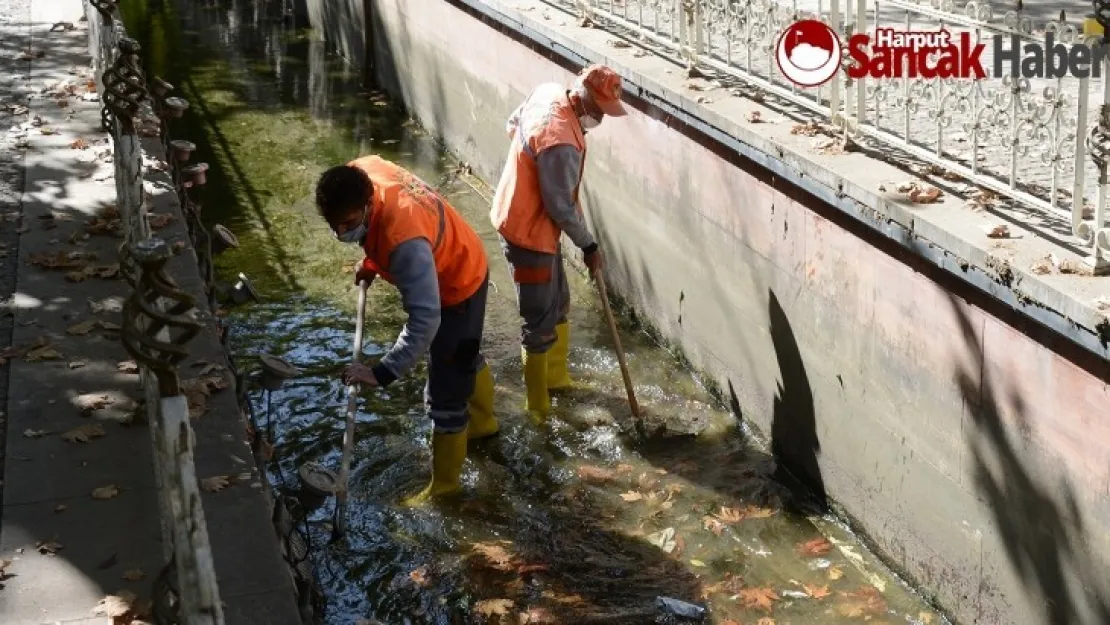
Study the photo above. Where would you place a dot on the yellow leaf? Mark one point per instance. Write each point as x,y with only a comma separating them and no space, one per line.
632,496
697,563
766,620
835,573
84,433
105,492
924,617
215,483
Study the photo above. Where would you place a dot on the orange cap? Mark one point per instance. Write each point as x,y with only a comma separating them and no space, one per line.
604,86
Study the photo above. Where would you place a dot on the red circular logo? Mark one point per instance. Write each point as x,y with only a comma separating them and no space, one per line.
808,53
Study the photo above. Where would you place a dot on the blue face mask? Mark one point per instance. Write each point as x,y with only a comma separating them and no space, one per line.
354,235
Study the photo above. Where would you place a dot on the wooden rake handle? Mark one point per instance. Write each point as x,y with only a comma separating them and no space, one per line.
604,294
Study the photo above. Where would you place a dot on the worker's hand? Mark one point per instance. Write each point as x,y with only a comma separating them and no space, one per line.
594,261
359,374
364,274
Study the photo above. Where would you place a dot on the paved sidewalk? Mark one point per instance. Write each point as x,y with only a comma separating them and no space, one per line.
79,518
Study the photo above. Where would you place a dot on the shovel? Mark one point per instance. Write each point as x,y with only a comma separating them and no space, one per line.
340,525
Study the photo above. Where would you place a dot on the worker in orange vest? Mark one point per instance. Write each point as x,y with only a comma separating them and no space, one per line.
416,241
536,201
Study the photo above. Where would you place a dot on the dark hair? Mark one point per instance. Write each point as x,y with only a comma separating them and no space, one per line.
342,190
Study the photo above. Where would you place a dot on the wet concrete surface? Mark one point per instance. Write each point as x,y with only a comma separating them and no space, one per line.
577,522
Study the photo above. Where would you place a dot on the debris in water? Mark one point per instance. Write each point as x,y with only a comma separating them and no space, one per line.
676,607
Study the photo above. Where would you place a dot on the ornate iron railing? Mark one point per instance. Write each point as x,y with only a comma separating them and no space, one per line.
159,321
1034,143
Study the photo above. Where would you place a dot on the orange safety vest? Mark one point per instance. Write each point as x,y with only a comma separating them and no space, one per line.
403,208
546,119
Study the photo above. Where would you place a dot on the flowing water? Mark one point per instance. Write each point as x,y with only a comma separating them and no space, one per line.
578,522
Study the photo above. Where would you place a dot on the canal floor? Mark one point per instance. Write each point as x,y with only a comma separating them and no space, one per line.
579,522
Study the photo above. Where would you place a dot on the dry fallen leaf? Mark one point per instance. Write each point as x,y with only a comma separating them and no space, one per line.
632,496
1001,231
48,547
494,607
835,573
595,474
91,401
116,606
925,618
42,353
83,328
867,600
133,575
732,516
419,576
763,598
128,366
714,525
79,144
215,483
766,620
808,129
105,492
84,433
816,547
495,554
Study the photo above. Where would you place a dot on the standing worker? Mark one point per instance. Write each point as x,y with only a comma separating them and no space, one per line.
536,201
416,241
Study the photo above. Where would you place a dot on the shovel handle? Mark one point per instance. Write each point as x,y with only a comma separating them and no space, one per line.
352,406
604,294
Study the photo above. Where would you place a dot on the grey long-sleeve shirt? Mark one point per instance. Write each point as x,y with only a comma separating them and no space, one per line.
413,269
559,167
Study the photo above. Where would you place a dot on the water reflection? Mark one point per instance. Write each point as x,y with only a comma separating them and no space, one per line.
576,523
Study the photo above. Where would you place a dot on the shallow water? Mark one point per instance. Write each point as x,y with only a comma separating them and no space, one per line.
579,522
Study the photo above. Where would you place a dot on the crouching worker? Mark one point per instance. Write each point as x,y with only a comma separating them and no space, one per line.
416,241
537,201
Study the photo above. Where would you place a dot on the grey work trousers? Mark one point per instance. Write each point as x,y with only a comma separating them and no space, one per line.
542,294
453,361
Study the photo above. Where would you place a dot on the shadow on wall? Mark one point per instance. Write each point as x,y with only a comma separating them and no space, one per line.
794,443
1039,524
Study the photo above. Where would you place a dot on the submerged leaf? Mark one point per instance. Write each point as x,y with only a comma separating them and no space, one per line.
816,547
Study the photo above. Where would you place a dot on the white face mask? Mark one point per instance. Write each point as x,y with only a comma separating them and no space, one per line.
589,122
356,234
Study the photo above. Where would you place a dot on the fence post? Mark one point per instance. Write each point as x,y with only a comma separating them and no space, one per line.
159,320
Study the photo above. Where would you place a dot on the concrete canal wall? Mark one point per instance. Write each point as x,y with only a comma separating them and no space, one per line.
952,403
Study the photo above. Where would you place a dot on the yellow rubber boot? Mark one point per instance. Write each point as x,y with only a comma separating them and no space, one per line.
482,423
448,454
558,376
535,382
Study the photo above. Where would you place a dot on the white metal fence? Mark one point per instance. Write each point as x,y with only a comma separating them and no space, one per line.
1026,141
